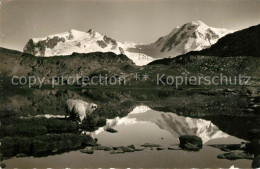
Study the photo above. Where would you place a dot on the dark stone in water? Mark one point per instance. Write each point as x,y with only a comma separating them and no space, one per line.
139,149
159,148
173,148
87,151
111,130
131,146
235,156
126,149
228,147
256,162
118,151
191,147
190,142
105,148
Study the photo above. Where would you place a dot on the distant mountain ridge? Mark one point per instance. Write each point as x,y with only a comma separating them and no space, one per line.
81,42
191,36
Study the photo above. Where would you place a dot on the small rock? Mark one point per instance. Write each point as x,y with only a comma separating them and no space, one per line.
254,106
21,155
160,148
139,148
249,110
173,148
228,147
230,90
256,162
88,148
131,146
54,151
150,145
252,99
105,148
235,156
91,143
118,151
87,151
111,130
126,149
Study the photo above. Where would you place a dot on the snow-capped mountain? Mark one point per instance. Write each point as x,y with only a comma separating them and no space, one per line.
82,42
191,36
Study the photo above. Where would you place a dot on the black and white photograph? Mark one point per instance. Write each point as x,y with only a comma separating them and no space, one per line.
129,84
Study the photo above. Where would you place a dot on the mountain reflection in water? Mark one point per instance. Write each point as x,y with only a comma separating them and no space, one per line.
170,122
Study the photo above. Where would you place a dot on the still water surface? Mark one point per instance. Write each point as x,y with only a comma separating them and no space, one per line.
144,125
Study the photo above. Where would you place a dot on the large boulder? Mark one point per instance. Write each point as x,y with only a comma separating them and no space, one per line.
190,142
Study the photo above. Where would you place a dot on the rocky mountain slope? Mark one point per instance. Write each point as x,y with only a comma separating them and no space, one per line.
14,63
191,36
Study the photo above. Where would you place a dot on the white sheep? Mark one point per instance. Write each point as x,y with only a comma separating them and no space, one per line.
79,109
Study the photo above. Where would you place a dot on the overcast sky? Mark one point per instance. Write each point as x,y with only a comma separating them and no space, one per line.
123,20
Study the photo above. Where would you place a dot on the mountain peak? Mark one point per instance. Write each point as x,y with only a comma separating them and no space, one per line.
197,23
91,31
73,30
192,36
